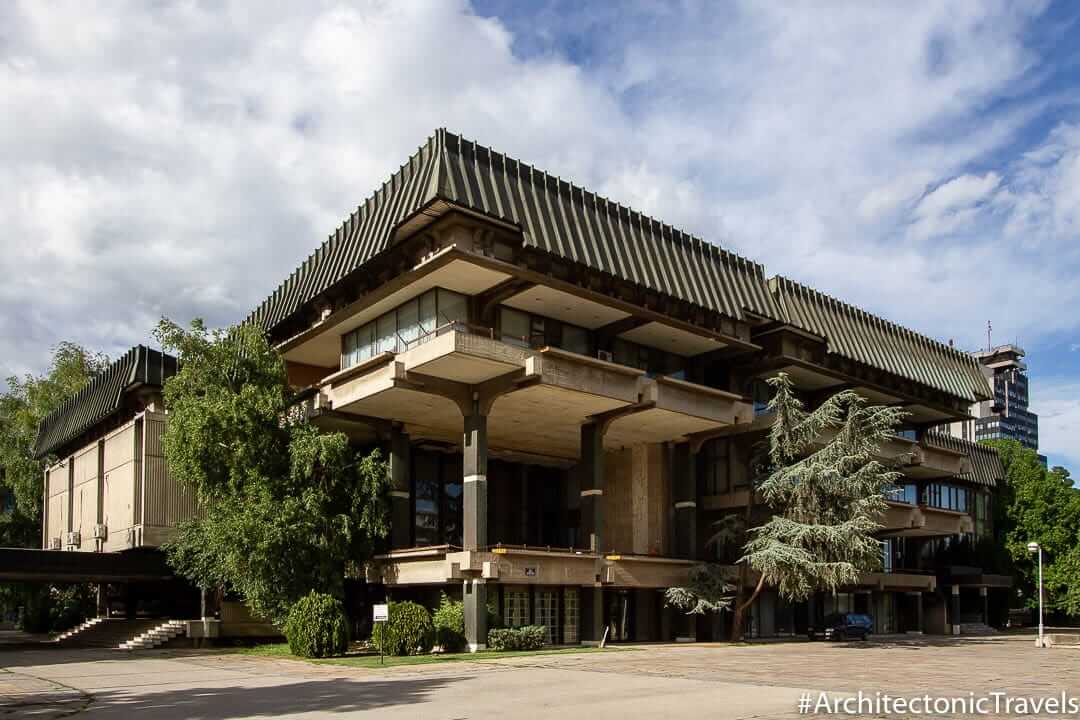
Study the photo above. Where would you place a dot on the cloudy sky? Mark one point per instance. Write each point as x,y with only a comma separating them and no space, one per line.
180,159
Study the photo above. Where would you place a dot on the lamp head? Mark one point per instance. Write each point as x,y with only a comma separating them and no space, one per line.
1033,547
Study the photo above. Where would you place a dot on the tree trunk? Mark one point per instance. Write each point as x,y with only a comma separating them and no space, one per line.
740,609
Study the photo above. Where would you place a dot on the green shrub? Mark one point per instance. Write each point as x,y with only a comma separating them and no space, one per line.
317,627
529,637
449,622
408,631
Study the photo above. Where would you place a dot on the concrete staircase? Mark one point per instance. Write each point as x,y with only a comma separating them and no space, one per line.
78,629
976,628
105,632
156,636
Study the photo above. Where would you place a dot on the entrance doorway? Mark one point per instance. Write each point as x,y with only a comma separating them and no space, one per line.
619,615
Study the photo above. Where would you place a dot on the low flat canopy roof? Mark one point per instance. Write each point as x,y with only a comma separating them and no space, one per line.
30,565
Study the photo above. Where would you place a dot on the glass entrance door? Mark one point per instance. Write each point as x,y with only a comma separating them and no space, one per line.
547,614
570,616
619,611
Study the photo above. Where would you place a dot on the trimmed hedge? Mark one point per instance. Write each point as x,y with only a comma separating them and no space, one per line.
409,630
529,637
316,626
449,622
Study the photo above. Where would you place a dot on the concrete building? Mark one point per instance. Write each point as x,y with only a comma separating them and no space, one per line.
569,392
1006,416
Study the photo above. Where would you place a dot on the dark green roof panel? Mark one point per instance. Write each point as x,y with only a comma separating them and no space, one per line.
102,397
986,467
857,335
553,215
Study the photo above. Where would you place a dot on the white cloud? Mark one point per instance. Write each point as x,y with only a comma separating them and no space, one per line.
1057,402
182,159
952,205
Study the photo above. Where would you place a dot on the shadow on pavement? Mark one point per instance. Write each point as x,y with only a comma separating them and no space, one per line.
14,657
285,700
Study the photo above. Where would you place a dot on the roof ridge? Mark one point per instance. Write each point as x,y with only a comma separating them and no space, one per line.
433,142
571,186
874,317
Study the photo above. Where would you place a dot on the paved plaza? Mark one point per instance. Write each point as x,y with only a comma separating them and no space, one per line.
753,681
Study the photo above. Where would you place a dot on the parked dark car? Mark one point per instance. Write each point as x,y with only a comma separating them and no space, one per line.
844,626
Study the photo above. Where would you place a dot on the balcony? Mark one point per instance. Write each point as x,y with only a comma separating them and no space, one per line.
527,566
920,460
546,394
905,580
905,520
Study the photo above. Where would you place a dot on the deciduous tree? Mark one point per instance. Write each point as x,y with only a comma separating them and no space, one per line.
285,508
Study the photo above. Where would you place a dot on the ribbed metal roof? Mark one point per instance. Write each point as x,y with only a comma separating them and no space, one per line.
102,397
986,467
858,335
553,215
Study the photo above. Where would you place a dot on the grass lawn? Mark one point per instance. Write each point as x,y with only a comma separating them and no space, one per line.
372,661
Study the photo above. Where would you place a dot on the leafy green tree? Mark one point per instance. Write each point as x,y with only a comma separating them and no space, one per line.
23,406
825,499
1040,505
285,509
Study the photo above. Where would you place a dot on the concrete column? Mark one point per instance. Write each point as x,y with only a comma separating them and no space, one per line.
207,603
917,598
954,609
400,490
985,597
131,601
102,600
592,485
597,608
475,535
474,600
684,497
667,631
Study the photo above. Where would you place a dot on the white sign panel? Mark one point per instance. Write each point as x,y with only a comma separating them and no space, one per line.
380,612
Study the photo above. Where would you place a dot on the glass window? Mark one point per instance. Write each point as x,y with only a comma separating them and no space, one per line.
357,346
365,342
453,307
570,616
547,614
714,465
386,328
453,492
428,320
513,327
408,323
516,607
906,493
575,339
348,350
425,472
763,394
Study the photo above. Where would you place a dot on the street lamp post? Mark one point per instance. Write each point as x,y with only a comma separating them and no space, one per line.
1035,548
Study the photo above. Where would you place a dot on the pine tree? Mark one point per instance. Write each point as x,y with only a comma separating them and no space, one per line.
826,496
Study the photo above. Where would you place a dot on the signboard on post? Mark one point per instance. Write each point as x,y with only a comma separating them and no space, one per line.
380,613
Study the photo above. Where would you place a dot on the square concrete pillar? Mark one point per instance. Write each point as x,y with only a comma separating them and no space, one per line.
592,485
474,602
684,499
400,490
954,609
475,521
592,614
984,596
102,600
